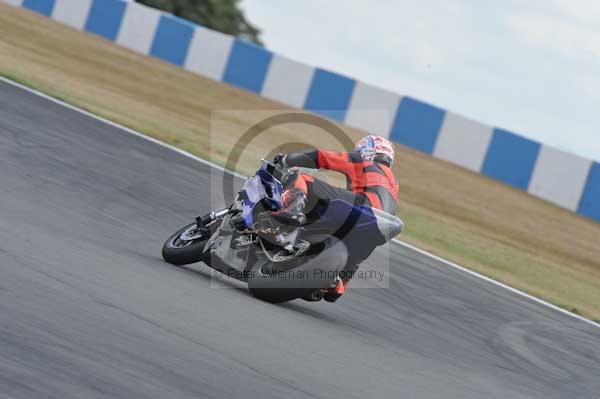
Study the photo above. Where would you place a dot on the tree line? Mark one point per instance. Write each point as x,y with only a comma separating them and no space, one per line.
221,15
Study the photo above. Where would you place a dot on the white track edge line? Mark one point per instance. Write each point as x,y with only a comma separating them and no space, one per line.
495,282
218,167
118,126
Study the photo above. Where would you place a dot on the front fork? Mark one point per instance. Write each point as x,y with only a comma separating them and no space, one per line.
203,221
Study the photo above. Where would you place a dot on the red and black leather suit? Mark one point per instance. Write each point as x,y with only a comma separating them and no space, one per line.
370,183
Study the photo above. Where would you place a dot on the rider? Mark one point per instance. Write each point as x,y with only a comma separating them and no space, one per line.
369,178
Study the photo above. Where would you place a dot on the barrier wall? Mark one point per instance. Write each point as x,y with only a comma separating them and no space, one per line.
564,179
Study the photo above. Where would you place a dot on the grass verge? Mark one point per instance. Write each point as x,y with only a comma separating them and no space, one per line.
462,216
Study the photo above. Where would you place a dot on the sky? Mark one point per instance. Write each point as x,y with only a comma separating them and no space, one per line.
528,66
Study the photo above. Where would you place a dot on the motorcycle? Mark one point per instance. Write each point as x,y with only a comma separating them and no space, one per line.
280,262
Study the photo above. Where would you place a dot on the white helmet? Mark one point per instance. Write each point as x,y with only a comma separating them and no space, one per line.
372,146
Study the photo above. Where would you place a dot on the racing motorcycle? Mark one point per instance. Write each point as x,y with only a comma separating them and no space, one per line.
280,262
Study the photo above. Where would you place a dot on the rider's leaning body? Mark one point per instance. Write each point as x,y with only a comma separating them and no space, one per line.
369,178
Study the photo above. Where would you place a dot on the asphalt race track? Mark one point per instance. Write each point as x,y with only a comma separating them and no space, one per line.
88,309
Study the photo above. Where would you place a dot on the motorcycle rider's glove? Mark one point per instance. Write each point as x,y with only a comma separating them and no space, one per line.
279,160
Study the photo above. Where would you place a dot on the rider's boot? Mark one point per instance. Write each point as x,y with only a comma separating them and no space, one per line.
292,213
335,292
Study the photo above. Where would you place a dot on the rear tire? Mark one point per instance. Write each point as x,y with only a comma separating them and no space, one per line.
180,252
280,282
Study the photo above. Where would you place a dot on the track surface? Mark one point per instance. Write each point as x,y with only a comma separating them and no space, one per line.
88,308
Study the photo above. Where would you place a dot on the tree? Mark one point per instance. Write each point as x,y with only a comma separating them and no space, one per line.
221,15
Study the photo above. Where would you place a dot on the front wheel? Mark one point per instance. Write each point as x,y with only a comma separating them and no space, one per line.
187,245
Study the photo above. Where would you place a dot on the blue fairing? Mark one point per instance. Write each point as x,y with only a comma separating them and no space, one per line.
261,186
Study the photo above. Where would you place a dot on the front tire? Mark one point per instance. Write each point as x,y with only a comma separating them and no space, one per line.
178,250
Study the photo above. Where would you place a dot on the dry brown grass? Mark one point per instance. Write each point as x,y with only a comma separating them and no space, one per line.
489,227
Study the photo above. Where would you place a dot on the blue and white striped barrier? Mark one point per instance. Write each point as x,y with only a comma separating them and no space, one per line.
564,179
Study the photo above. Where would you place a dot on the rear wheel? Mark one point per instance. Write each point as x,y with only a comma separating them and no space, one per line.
299,277
187,245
